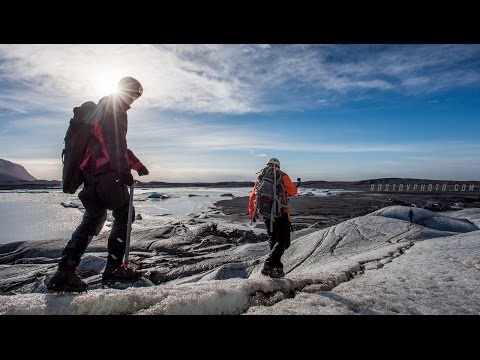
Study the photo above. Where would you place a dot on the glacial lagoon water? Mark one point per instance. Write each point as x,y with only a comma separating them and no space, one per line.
39,214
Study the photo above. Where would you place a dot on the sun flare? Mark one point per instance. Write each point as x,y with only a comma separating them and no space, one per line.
106,82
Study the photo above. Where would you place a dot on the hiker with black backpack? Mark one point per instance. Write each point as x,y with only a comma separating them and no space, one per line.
269,198
105,170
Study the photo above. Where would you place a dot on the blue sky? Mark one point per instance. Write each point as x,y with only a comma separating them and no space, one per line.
219,112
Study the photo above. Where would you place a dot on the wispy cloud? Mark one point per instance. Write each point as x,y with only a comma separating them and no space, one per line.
229,78
254,153
184,134
66,73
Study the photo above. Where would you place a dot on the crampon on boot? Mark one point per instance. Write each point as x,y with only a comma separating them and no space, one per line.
267,270
121,273
68,281
277,272
273,272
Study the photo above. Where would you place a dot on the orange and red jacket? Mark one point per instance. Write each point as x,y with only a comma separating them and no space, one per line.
289,186
107,150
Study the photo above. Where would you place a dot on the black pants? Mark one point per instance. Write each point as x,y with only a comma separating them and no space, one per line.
279,239
99,193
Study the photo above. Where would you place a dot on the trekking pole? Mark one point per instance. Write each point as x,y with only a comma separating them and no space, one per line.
252,220
129,226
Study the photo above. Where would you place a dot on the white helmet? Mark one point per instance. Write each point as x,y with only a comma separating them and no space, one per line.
274,161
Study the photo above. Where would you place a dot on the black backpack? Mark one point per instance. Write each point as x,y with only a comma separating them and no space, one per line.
270,197
77,138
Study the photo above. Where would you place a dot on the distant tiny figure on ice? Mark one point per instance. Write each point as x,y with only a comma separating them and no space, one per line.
410,215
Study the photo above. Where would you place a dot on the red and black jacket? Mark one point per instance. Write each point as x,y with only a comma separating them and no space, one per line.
107,150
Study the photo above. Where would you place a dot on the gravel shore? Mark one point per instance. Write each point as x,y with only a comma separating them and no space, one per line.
324,211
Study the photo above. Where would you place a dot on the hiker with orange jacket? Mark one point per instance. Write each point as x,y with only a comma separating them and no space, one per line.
271,202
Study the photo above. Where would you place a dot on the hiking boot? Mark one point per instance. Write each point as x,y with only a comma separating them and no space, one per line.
68,281
273,272
113,274
277,272
267,270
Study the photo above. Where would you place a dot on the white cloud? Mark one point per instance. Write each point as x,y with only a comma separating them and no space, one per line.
183,134
228,78
58,71
193,136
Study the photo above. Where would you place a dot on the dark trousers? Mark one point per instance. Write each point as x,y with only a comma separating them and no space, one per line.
279,240
100,193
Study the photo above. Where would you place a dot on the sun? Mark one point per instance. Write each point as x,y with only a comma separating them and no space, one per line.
106,82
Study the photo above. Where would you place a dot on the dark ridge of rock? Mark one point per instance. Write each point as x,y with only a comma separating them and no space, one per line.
10,171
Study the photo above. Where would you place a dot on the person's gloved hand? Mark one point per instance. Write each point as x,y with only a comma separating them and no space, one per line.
143,171
125,178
